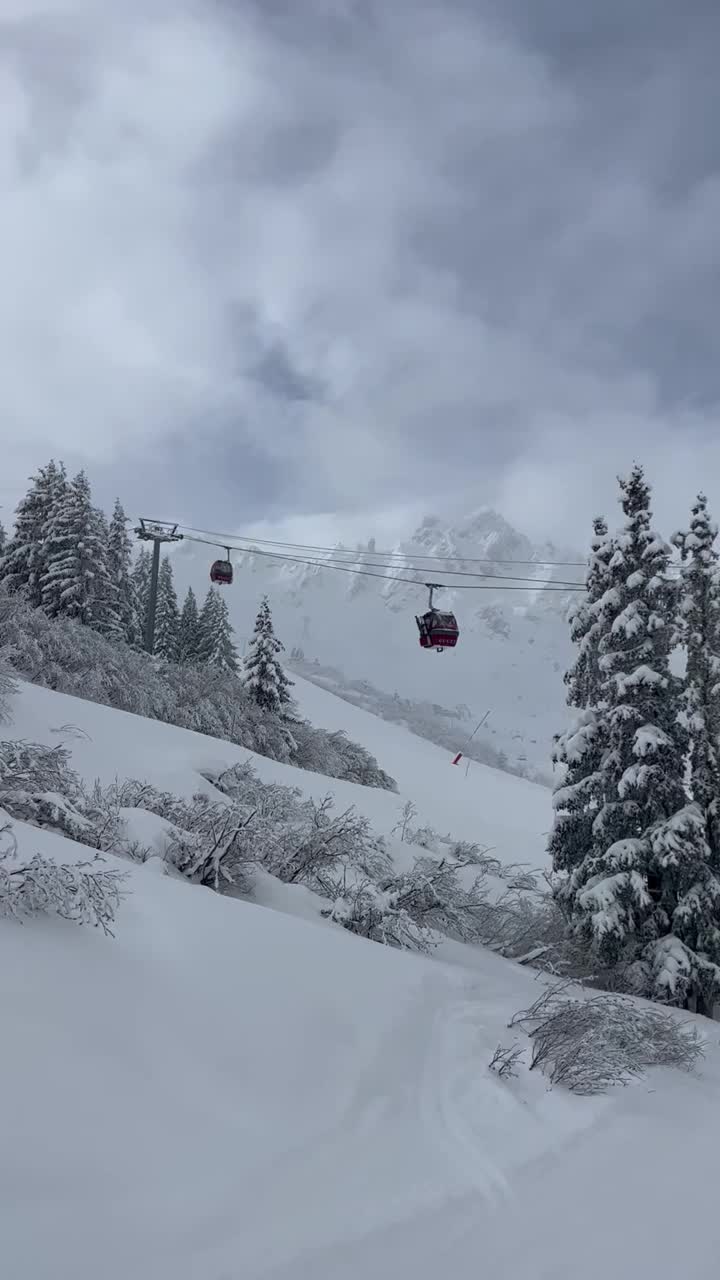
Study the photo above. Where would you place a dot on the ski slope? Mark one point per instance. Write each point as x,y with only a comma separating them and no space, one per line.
225,1092
493,808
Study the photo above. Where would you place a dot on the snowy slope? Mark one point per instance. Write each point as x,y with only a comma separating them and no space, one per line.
514,644
222,1091
486,806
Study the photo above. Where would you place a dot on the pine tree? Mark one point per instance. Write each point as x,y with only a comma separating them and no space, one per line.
140,580
120,618
74,551
644,895
580,749
189,633
167,615
700,635
264,677
216,646
3,540
23,561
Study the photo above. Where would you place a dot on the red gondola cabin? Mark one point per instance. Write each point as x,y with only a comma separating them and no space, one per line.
222,573
438,630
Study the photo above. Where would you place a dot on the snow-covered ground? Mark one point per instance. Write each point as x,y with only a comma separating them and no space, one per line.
224,1092
493,808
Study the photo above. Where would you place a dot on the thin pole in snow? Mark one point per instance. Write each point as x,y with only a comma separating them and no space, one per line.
479,725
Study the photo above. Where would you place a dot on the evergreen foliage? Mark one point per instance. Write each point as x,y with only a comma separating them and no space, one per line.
122,621
73,578
23,561
189,633
140,581
167,616
699,631
580,749
264,678
644,894
215,646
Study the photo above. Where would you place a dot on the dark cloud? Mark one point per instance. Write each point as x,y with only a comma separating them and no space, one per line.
343,257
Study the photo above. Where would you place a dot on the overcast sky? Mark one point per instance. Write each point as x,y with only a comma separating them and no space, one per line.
330,264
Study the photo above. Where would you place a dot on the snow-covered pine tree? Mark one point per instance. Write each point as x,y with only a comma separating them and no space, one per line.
120,621
23,561
579,750
189,633
167,615
74,551
216,647
645,895
3,540
264,677
140,581
699,627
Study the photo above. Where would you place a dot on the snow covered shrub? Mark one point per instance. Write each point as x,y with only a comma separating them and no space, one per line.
7,688
303,841
320,840
38,786
368,910
592,1045
75,891
216,850
506,1061
414,909
335,755
208,841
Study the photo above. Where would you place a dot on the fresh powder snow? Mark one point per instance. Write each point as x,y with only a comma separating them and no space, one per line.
227,1089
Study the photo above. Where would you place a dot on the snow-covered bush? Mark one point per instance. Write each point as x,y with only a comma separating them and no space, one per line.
335,755
7,688
506,1061
79,891
38,786
302,841
62,655
208,841
589,1046
379,914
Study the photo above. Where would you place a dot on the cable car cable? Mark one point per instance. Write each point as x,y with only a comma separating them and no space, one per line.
415,555
366,573
409,568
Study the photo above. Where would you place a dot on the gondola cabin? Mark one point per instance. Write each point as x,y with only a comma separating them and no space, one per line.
438,630
222,573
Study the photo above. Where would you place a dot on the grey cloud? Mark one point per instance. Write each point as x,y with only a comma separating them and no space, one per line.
337,256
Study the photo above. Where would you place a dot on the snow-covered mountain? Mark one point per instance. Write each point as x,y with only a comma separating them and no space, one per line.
350,611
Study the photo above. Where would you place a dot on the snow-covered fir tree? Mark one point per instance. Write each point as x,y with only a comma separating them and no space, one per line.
216,646
167,615
23,562
699,625
645,895
140,581
3,540
264,677
189,635
120,618
75,568
579,751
